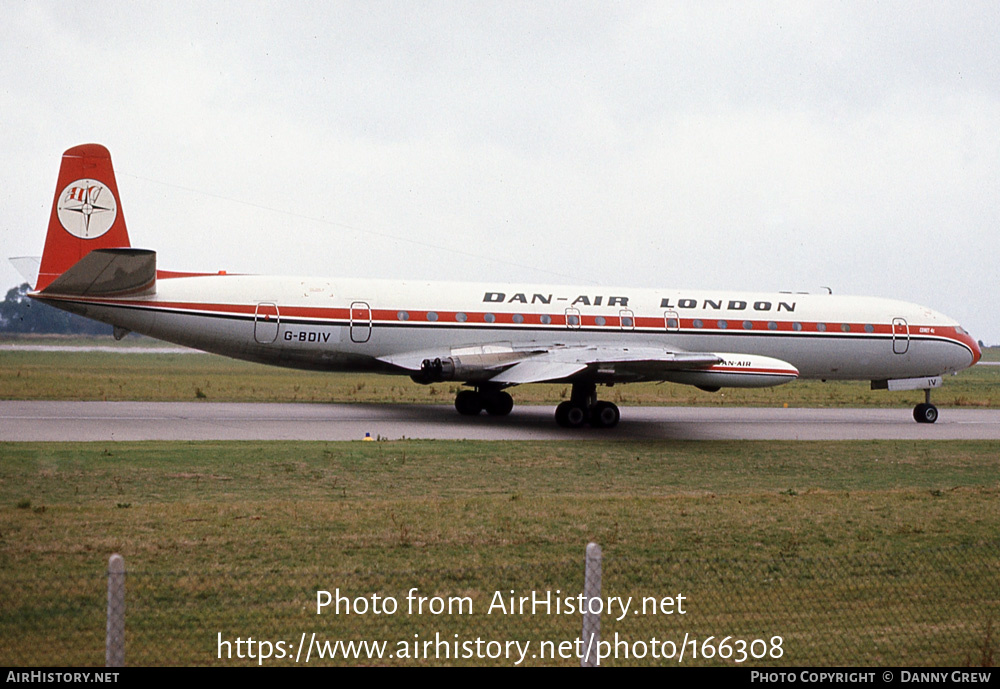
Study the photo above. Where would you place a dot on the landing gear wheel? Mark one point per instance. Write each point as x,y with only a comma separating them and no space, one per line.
925,413
498,404
561,414
468,403
571,415
604,415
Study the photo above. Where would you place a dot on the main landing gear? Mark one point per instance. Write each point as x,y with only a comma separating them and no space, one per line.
925,412
495,401
583,408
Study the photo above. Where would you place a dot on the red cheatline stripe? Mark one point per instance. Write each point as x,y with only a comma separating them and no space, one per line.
762,371
558,320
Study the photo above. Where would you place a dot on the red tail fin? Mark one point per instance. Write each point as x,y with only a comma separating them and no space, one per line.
86,214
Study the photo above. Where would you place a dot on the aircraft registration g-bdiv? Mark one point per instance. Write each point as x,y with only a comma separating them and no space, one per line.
489,337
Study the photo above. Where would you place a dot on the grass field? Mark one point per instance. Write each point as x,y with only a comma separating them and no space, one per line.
855,553
834,546
186,377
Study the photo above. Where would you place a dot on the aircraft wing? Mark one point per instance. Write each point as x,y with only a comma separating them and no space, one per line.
504,365
604,363
500,363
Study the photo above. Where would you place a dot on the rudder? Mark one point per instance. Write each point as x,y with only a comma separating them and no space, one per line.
86,213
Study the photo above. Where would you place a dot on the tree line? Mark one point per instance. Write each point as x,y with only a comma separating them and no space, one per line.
21,314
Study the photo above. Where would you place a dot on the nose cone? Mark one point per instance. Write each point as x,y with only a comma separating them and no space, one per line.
977,353
966,339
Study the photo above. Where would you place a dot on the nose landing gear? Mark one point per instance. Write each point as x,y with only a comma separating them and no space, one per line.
925,412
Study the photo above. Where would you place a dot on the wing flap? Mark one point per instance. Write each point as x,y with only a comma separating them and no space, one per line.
537,370
608,364
605,363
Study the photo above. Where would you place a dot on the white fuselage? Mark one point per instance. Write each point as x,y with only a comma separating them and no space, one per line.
357,324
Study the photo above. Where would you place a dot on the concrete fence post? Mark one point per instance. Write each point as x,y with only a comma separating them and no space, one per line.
114,648
591,620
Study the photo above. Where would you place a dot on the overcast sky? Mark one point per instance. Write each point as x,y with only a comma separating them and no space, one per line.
746,145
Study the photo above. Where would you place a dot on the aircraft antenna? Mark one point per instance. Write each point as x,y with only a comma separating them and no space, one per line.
385,235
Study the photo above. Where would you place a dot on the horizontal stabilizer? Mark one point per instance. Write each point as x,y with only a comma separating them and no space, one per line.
108,273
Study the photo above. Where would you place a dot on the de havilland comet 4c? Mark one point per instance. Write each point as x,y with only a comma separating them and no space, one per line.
489,337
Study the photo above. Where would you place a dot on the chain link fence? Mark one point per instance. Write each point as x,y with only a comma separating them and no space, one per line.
934,607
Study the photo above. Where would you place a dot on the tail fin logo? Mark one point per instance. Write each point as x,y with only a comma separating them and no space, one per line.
87,208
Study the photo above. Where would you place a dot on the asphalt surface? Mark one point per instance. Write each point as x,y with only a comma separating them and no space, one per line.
111,421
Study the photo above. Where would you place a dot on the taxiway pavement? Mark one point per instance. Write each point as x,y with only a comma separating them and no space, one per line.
119,421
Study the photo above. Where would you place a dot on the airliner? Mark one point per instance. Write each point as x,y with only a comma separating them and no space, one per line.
487,337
